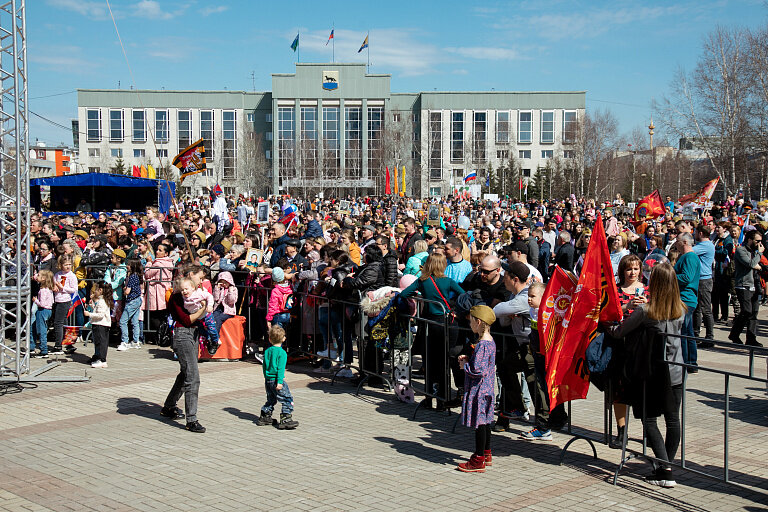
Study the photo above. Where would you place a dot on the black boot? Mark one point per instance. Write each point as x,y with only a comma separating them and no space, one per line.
264,419
617,442
287,422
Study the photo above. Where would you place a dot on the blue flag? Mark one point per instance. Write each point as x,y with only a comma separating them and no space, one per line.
487,181
295,43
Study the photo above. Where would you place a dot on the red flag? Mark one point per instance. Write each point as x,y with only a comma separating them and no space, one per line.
136,171
387,186
554,305
595,299
521,183
649,207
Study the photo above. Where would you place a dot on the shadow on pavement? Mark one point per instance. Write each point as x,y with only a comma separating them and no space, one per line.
138,407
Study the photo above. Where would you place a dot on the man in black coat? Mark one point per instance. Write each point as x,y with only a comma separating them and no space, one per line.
565,252
389,262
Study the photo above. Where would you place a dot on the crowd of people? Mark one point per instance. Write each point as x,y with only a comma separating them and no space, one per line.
301,275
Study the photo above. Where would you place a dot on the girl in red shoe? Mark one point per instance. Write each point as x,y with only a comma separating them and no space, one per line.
477,406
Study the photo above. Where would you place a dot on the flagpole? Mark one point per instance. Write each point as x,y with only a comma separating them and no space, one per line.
333,30
298,46
367,38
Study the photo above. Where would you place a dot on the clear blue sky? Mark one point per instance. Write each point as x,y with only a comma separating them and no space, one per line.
623,53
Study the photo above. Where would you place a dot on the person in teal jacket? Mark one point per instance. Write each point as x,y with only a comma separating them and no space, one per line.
434,287
116,273
415,262
688,270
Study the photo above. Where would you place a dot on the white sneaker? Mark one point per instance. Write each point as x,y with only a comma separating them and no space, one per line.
323,353
99,364
136,345
123,347
345,373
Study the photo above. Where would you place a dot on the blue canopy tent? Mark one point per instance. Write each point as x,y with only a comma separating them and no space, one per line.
104,192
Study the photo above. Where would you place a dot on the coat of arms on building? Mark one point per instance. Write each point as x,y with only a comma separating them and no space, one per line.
330,80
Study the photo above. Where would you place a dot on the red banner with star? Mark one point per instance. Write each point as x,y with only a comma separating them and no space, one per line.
595,299
649,207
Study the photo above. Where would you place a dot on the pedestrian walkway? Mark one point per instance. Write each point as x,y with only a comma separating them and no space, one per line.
103,446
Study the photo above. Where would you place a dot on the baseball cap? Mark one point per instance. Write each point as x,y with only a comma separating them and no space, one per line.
517,269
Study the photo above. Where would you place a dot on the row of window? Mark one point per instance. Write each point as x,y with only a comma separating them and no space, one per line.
525,132
525,154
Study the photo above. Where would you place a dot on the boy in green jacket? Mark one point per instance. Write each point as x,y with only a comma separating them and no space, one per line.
275,359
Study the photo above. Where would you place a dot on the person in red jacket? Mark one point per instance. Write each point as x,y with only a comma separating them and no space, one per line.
186,348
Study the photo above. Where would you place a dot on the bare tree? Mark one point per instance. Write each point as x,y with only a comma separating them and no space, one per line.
253,166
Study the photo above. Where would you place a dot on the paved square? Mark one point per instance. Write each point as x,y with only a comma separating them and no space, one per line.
103,446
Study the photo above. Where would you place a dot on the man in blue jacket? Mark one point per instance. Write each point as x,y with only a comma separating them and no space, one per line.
705,250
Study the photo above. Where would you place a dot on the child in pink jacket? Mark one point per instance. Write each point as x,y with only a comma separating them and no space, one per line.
278,309
224,299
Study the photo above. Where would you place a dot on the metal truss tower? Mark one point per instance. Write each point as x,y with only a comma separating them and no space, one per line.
14,194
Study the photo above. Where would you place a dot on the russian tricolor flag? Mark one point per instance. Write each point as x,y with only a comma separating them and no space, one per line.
329,38
471,176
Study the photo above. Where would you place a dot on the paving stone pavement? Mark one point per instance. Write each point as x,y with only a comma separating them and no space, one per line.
103,446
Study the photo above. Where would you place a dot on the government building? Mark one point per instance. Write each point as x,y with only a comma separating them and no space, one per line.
327,129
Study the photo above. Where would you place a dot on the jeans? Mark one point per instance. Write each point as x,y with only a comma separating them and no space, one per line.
720,297
185,346
688,345
60,310
704,310
208,325
281,319
132,314
220,317
323,324
747,316
665,449
41,329
337,330
274,395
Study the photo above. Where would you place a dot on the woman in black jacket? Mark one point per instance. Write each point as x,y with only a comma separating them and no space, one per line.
389,262
367,277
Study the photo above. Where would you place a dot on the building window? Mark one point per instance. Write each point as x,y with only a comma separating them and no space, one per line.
250,117
525,127
117,153
206,133
524,154
435,191
375,148
569,153
268,118
331,137
162,153
435,149
161,125
527,173
309,142
268,154
396,117
229,143
570,125
457,136
353,142
502,127
415,136
116,125
139,153
415,118
65,163
184,118
269,135
94,153
139,126
478,146
502,154
94,169
547,153
286,141
547,127
93,119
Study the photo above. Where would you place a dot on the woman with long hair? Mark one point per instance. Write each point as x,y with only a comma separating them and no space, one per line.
435,288
663,313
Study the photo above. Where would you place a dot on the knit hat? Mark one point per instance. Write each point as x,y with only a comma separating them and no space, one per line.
119,253
227,244
278,276
82,234
219,249
483,313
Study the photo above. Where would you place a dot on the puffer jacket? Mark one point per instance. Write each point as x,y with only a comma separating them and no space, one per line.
157,277
225,298
367,277
389,270
277,298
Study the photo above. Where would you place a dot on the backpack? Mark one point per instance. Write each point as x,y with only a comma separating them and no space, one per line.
598,354
288,302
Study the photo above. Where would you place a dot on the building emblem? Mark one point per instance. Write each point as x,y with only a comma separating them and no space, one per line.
330,80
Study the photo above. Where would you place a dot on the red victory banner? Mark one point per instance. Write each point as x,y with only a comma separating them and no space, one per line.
702,197
191,160
595,299
387,185
649,207
554,306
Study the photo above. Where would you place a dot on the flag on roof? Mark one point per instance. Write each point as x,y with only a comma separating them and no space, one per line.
295,43
191,160
329,38
362,46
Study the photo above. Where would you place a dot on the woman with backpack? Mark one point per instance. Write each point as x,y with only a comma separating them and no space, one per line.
661,318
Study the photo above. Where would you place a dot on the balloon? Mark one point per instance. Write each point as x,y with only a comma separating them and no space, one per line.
651,261
463,222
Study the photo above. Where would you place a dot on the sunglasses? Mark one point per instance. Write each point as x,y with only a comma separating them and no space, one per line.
486,271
